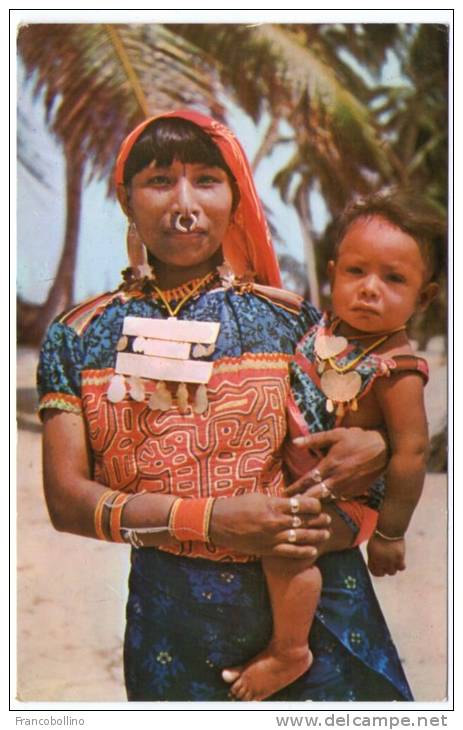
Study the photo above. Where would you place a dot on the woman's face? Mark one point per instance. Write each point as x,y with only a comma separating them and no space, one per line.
158,195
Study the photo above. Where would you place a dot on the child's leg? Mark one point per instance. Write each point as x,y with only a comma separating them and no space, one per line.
294,588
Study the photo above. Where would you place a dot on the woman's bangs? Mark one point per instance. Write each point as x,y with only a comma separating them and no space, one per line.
189,150
167,140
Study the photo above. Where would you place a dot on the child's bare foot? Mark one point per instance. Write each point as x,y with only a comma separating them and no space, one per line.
267,673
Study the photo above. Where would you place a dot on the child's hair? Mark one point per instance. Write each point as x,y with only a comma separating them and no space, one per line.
404,209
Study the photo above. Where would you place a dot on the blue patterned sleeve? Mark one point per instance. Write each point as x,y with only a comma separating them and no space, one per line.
60,365
308,316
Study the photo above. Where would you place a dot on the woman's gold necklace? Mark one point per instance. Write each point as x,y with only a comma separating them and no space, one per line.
340,386
175,310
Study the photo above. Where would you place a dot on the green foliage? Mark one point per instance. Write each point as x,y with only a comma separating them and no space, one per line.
353,128
91,103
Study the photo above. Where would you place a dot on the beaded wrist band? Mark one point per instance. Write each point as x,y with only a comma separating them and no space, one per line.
115,516
175,505
98,513
388,538
108,514
189,519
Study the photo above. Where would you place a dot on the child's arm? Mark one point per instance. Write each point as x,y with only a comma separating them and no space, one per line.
401,400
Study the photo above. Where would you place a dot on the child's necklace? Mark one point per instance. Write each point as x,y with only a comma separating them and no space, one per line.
340,386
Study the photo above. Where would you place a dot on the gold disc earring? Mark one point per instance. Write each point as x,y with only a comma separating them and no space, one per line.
137,254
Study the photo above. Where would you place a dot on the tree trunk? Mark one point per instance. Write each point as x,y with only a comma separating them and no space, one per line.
303,212
61,294
33,320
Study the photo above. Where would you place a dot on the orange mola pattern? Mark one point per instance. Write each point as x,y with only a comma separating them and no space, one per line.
138,449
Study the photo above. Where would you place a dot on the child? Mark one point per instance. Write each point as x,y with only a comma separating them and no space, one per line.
356,368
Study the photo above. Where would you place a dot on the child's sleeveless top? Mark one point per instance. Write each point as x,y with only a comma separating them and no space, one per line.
308,408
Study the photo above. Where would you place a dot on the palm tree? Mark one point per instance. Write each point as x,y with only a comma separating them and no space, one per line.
410,112
336,146
418,123
281,71
99,82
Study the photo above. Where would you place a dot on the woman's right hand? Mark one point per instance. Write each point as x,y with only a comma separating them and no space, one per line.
255,524
355,458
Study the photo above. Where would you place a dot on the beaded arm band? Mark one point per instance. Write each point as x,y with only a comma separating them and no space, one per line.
98,513
108,514
190,519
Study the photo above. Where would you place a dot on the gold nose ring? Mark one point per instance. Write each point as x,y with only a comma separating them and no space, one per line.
190,222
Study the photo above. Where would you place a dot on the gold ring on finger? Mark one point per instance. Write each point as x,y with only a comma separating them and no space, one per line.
325,493
296,521
316,476
292,537
294,505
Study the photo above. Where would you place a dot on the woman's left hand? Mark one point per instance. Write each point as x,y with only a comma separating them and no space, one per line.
354,460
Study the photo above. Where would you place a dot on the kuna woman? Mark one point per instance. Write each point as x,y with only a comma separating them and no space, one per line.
164,417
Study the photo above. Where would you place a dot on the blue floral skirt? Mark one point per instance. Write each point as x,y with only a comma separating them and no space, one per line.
187,619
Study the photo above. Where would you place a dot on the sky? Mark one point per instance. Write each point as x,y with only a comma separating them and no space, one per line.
101,255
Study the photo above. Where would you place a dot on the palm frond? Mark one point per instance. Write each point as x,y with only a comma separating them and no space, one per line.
92,101
272,68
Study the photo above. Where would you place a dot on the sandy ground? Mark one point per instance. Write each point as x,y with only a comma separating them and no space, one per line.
72,591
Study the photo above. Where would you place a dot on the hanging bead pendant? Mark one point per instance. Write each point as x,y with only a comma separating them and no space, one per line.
116,391
182,398
160,399
136,389
203,350
201,401
340,410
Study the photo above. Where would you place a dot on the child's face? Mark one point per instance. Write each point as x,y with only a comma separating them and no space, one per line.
378,279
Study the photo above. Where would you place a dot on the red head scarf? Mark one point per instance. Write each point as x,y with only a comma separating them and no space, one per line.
247,245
